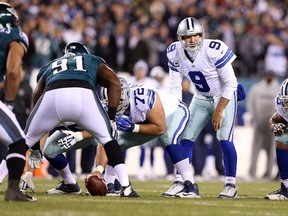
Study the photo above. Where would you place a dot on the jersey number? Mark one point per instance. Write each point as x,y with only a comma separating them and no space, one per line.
199,80
62,65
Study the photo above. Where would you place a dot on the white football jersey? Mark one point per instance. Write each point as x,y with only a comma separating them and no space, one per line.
281,111
142,100
205,71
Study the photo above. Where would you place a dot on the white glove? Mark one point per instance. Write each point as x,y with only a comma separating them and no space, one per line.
27,182
114,129
35,158
71,139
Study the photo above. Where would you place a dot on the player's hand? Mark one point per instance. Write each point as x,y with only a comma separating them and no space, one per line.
35,158
124,124
114,129
10,104
279,129
71,139
217,120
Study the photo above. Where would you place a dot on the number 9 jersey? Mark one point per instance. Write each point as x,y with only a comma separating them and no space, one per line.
211,71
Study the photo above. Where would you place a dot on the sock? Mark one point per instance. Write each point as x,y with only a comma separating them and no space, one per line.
122,174
188,147
109,174
229,158
184,169
15,159
282,162
3,170
59,162
67,175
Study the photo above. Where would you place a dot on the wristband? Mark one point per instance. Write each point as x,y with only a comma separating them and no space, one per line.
136,128
100,169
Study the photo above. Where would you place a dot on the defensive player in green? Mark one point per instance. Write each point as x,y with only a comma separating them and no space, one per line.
13,46
66,92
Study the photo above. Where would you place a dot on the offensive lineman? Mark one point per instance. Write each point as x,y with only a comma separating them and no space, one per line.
278,124
207,64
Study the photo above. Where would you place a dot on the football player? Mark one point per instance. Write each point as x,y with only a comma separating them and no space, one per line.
66,92
207,64
13,46
152,115
278,124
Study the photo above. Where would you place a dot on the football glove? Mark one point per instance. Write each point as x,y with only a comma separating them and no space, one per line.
27,182
279,129
35,158
71,139
124,124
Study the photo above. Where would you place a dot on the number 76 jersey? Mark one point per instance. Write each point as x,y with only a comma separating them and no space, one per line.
205,71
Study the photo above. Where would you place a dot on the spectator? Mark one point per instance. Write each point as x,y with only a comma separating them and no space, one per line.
260,103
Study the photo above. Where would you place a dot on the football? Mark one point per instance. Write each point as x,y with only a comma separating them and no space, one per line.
95,186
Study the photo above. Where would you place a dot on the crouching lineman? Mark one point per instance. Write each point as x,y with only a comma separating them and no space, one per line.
278,124
66,92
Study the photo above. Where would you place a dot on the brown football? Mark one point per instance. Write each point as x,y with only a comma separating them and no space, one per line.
96,186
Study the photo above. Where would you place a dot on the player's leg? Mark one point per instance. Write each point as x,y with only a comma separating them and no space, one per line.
281,145
225,137
15,156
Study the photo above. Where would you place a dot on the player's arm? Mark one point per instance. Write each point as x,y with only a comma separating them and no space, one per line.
277,124
13,70
108,79
229,87
155,123
38,91
101,161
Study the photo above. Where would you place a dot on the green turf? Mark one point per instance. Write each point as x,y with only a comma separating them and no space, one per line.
250,201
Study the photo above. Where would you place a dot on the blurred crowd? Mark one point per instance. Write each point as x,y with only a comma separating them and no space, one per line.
125,31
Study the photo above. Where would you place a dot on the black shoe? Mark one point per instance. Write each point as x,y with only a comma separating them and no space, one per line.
189,191
117,186
128,192
66,189
280,194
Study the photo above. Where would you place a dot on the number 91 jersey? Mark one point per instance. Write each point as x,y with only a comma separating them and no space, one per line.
205,71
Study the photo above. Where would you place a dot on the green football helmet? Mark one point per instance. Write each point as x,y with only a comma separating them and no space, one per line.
76,47
8,16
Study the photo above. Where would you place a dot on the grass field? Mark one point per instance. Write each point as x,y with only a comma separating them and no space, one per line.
250,201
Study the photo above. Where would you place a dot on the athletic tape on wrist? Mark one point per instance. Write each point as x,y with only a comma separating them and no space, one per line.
136,128
100,169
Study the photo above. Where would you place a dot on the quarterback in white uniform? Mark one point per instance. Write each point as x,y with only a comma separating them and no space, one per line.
278,124
208,65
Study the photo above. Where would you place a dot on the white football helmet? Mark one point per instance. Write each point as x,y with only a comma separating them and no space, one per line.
188,27
283,94
124,99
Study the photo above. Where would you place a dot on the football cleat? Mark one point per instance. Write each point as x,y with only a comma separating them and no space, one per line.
117,186
280,194
177,187
229,191
128,192
111,190
63,188
189,191
12,195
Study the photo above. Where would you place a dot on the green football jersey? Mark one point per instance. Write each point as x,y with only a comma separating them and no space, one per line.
82,67
8,35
